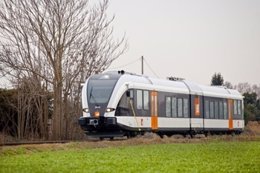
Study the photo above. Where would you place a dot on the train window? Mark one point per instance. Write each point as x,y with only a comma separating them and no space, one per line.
221,114
225,109
139,97
142,99
216,109
146,100
180,112
211,110
239,107
131,93
206,108
123,101
168,106
185,108
174,107
235,107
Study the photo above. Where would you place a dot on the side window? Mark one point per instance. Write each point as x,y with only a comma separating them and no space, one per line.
174,107
168,106
211,109
142,99
139,97
146,100
206,109
185,108
131,92
239,107
235,107
216,109
180,113
221,113
225,110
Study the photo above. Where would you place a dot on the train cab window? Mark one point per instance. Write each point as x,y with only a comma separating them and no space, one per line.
180,112
225,109
123,106
221,112
206,109
123,101
142,98
211,109
174,107
168,106
185,108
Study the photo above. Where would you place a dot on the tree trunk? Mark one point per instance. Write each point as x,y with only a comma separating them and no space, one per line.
57,112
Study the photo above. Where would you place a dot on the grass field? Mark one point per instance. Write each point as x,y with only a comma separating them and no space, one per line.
213,156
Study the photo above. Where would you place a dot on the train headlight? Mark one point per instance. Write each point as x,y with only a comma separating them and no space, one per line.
97,114
86,110
110,109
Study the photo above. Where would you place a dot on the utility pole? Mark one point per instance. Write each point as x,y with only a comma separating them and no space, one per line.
142,65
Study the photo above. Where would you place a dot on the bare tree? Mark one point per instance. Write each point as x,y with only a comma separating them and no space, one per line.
248,88
60,42
32,109
256,89
228,85
243,87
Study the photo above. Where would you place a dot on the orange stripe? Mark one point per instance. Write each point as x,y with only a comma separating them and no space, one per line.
154,116
197,106
230,117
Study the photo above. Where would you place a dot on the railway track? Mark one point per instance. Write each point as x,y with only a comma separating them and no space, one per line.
33,142
16,143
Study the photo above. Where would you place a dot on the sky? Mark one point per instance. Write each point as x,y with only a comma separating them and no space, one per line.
191,39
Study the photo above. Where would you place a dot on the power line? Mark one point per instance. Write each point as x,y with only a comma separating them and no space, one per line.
134,61
130,63
151,68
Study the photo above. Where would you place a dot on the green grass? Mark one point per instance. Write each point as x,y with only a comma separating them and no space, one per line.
177,157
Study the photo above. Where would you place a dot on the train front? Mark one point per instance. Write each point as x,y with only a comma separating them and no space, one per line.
98,120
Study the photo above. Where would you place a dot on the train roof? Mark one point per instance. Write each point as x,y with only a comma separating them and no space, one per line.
179,86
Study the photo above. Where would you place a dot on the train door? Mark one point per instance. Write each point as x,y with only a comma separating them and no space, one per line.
197,123
154,110
230,114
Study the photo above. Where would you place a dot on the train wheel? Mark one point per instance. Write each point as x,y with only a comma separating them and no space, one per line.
233,133
192,133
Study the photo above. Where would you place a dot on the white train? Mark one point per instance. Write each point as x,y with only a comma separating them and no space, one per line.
125,104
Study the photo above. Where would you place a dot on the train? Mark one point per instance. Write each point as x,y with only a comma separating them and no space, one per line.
118,104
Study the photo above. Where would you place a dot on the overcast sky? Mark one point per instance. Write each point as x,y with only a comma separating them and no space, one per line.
192,39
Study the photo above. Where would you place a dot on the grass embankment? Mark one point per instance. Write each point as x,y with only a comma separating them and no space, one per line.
208,156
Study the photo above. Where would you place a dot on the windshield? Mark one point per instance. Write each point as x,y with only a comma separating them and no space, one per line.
99,91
